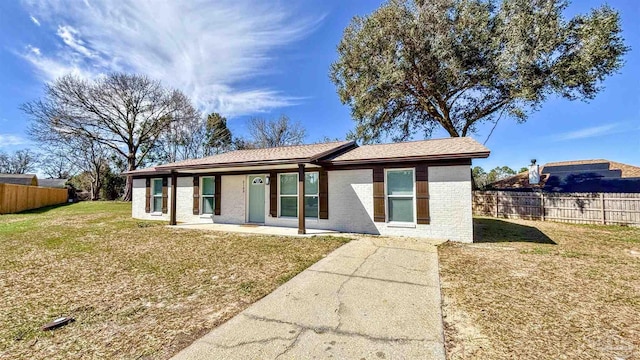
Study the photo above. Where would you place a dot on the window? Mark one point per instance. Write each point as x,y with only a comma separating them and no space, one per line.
400,195
311,181
208,192
157,195
289,194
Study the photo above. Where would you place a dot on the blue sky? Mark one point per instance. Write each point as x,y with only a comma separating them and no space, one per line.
255,58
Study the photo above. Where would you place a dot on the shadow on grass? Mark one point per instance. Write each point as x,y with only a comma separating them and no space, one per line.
496,231
45,209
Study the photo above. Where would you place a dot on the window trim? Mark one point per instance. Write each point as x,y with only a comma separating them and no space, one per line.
202,195
154,196
386,199
280,196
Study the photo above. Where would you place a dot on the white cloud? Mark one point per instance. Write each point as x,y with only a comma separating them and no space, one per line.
34,50
7,140
589,132
210,50
34,20
68,35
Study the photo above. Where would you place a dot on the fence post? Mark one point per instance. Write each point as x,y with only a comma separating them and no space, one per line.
542,206
604,219
496,204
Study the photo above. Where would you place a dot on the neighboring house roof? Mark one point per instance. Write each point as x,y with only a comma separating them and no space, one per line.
626,170
332,153
597,175
53,183
19,179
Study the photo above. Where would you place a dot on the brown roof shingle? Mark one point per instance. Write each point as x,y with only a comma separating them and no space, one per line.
521,180
282,154
19,179
627,171
338,152
461,147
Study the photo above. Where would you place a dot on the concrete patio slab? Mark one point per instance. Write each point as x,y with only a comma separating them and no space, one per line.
254,229
371,298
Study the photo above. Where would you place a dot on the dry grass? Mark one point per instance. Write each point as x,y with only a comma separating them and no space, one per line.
541,290
136,289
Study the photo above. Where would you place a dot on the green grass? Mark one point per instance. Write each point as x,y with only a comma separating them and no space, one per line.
136,288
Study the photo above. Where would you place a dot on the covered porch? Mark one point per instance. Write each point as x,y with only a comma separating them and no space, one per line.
254,229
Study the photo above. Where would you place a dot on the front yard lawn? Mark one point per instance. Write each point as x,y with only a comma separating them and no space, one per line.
542,290
136,289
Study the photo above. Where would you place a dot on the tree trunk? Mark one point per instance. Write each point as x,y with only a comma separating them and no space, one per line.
96,186
95,192
128,189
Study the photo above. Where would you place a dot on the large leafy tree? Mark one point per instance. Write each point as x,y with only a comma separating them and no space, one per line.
126,114
413,66
218,138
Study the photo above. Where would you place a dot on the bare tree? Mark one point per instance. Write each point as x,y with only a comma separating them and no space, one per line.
124,113
182,140
90,157
20,162
272,133
56,165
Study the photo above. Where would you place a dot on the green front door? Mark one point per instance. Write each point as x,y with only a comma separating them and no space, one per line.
256,199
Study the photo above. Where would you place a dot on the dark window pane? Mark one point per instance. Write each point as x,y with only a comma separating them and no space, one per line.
207,186
289,206
289,184
311,206
157,187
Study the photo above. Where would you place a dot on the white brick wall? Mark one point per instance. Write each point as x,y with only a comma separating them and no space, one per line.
232,206
449,207
232,209
138,202
350,204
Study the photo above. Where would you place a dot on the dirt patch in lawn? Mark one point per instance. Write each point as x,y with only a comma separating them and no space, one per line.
542,290
136,289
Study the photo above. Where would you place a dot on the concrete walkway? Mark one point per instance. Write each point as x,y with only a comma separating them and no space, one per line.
373,298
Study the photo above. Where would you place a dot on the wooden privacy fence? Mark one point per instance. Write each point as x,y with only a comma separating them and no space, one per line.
579,208
16,198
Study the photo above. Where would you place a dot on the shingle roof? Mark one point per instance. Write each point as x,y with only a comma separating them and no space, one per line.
627,171
462,147
53,183
518,181
19,179
280,155
338,152
521,180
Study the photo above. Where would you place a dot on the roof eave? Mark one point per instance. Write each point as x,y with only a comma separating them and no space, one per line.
348,146
144,173
476,155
